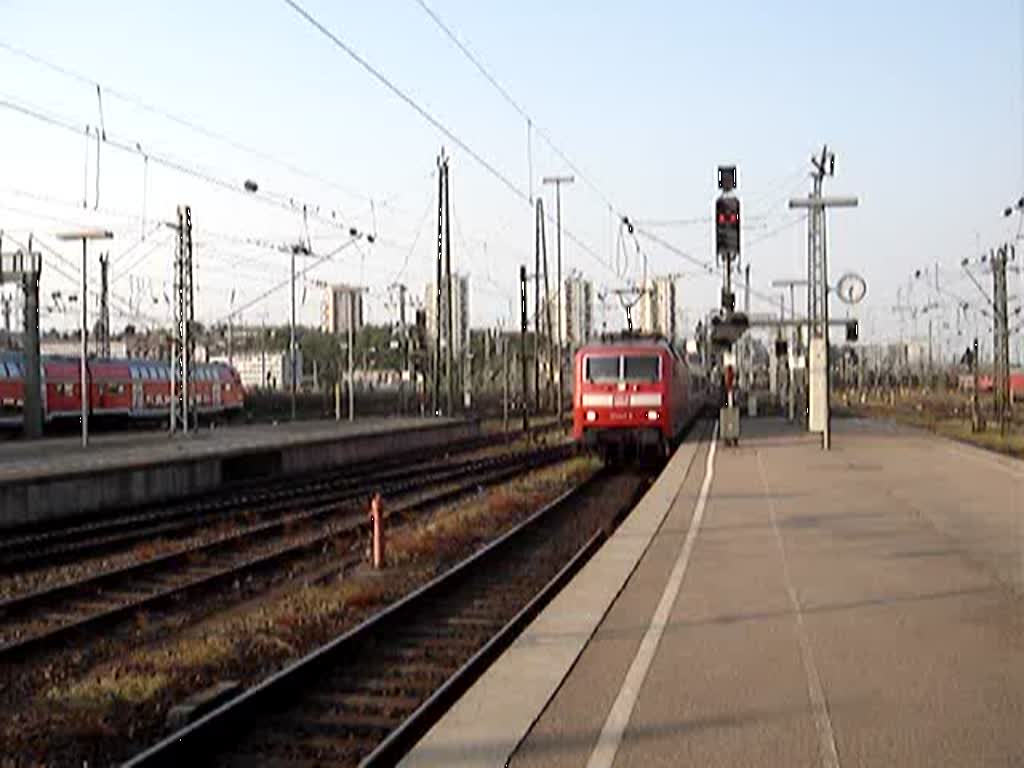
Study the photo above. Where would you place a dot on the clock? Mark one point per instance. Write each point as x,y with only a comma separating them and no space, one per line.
851,288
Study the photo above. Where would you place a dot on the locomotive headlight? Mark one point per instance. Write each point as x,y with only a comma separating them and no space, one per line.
591,416
652,415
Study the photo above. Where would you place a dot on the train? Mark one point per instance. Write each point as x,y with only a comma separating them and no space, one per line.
986,383
635,395
120,390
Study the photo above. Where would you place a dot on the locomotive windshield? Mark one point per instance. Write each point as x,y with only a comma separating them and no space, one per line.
641,368
635,368
602,369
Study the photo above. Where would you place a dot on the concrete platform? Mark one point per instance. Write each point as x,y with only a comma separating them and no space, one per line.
792,607
48,480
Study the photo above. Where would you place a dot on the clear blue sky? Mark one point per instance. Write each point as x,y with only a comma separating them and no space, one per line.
921,101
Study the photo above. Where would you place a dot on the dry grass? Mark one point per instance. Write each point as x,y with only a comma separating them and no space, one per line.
142,677
112,687
313,606
130,695
148,550
484,516
945,413
278,629
1011,444
274,632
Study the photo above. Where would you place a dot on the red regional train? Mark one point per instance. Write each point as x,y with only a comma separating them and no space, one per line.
634,393
132,390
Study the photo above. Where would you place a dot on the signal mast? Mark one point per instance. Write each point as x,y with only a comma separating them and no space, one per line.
728,324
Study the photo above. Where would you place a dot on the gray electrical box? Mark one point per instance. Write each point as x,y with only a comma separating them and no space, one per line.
729,424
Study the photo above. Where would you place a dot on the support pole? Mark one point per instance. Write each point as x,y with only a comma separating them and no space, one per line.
504,376
558,181
351,344
84,299
104,340
174,386
558,277
450,355
33,398
291,340
404,333
997,328
231,332
818,390
1001,346
550,337
523,327
436,396
189,316
827,434
975,409
24,268
537,310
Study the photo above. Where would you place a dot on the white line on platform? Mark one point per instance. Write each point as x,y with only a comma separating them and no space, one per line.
622,710
819,705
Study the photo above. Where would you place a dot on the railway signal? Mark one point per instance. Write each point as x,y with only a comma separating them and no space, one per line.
729,325
727,226
727,328
727,177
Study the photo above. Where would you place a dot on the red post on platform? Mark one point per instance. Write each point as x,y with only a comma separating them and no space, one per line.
377,516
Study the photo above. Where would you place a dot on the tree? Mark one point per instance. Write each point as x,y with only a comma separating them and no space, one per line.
325,349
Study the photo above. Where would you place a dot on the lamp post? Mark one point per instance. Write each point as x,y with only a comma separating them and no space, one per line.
85,235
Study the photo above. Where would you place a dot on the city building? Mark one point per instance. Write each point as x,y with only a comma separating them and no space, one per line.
265,370
577,311
339,303
658,307
460,304
72,347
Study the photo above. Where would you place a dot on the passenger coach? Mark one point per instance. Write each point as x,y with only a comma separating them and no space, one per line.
126,390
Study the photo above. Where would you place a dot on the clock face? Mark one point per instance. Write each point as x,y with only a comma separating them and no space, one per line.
851,288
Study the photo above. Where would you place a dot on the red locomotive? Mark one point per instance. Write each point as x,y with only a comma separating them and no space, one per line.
134,390
634,393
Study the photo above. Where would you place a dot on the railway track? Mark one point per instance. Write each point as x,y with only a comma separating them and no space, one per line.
45,548
51,616
367,696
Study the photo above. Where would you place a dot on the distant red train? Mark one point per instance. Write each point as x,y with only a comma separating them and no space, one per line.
134,390
985,383
635,393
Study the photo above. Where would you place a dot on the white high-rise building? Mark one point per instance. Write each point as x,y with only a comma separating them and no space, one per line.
339,303
658,307
577,311
460,305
